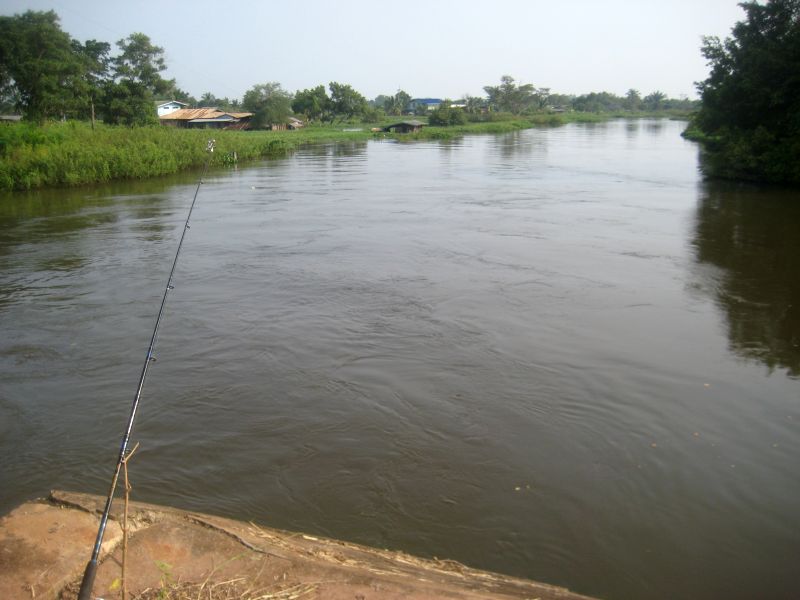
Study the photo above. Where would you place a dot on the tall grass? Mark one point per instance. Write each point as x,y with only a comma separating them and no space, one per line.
69,154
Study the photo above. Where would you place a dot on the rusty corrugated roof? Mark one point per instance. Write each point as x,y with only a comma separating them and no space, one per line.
189,114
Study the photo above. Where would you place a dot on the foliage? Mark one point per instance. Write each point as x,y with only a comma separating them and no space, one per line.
96,64
128,96
69,154
632,102
271,104
38,67
208,100
445,115
141,62
513,98
474,105
749,120
176,93
346,103
313,103
396,105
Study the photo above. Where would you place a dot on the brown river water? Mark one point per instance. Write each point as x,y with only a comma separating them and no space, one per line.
558,354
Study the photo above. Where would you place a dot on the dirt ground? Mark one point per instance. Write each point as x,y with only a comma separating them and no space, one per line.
173,554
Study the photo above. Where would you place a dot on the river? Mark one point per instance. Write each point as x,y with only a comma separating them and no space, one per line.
558,354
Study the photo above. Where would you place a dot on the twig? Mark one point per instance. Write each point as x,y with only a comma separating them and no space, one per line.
128,489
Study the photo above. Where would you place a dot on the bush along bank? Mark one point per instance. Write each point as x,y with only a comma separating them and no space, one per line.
70,154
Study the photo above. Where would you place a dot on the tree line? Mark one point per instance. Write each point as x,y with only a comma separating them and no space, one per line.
749,118
45,74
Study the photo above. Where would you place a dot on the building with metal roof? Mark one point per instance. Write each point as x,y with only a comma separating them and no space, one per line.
206,117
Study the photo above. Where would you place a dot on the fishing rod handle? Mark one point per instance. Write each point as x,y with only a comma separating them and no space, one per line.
88,581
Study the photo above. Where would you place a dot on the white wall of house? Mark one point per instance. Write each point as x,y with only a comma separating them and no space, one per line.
168,107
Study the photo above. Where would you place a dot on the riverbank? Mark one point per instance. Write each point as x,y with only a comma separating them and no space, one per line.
44,546
74,154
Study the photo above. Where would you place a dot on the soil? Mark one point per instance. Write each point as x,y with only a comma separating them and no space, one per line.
174,554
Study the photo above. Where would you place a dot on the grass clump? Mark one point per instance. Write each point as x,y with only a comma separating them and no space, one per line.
70,154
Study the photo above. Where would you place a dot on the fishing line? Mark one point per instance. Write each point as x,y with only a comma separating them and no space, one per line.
91,566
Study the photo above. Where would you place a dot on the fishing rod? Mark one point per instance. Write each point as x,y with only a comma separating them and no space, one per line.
91,566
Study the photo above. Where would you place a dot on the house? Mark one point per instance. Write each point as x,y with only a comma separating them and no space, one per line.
212,118
164,108
404,127
291,123
427,103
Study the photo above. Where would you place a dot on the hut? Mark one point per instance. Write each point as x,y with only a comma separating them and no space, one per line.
206,118
404,127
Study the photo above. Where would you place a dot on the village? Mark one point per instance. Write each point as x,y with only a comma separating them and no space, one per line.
174,113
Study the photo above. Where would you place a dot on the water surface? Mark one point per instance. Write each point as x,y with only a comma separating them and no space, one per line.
557,354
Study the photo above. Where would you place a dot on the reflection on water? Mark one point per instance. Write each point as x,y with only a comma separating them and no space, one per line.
751,237
491,349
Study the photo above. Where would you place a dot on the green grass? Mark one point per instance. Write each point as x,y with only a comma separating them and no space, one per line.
72,154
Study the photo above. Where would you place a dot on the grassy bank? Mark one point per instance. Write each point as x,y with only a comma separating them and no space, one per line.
70,154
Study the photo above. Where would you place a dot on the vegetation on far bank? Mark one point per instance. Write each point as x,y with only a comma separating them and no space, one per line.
68,154
89,114
62,154
749,118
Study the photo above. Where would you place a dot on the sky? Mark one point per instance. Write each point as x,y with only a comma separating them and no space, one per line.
433,48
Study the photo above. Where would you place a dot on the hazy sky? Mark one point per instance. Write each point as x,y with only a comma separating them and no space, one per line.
438,48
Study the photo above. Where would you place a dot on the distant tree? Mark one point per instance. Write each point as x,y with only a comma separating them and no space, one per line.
176,93
96,64
560,100
749,117
372,114
598,102
346,102
38,66
314,103
633,100
141,62
445,115
474,105
510,97
654,100
396,105
208,100
380,101
128,99
269,102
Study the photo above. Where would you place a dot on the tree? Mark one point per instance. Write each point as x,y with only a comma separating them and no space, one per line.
142,62
445,115
346,103
654,100
207,100
474,105
176,93
599,102
314,103
513,98
749,117
137,80
96,61
396,105
380,101
38,67
271,104
633,100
